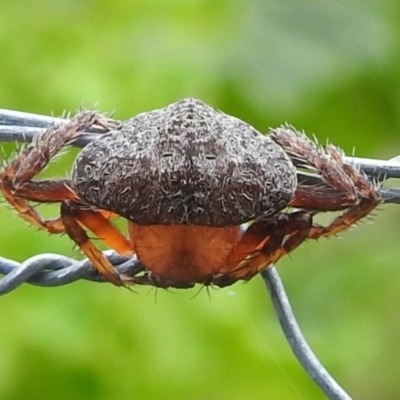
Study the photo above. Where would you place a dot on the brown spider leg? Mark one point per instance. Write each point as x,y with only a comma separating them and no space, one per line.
97,221
33,159
35,191
344,186
18,188
46,191
100,225
73,216
344,221
263,244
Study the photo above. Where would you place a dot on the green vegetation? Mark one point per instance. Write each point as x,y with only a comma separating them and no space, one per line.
328,67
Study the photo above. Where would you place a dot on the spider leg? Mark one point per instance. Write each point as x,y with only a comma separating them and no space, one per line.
46,191
16,183
344,221
79,236
263,244
35,157
100,225
19,188
344,188
74,215
33,191
96,221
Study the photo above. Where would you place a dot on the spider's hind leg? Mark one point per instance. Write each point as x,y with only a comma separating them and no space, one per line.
263,244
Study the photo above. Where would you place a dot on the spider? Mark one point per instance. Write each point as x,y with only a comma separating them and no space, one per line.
187,178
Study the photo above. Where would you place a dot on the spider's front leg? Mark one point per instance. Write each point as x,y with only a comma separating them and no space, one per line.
19,188
16,184
344,187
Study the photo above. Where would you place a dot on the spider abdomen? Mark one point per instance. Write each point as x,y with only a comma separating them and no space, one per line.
182,255
185,164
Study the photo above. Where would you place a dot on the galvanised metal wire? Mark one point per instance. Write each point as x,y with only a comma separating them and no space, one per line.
55,270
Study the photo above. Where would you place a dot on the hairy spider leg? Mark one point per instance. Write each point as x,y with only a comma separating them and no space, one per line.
97,221
28,213
263,244
17,175
344,188
19,189
74,216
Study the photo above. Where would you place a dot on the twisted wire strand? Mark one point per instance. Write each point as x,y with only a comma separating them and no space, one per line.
51,270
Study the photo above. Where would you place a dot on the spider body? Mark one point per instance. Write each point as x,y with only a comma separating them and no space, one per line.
185,164
186,177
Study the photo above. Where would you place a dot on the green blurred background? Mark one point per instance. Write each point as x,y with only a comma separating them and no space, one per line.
329,67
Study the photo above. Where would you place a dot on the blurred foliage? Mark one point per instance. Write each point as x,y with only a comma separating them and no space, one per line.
329,67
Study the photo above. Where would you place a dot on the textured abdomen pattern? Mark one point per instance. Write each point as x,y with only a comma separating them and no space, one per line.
185,164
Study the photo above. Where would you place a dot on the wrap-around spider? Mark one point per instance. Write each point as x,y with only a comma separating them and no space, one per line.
186,178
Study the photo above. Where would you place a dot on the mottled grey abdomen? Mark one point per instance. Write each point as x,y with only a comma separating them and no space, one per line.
185,164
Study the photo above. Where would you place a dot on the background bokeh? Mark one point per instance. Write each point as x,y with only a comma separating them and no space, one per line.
326,66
